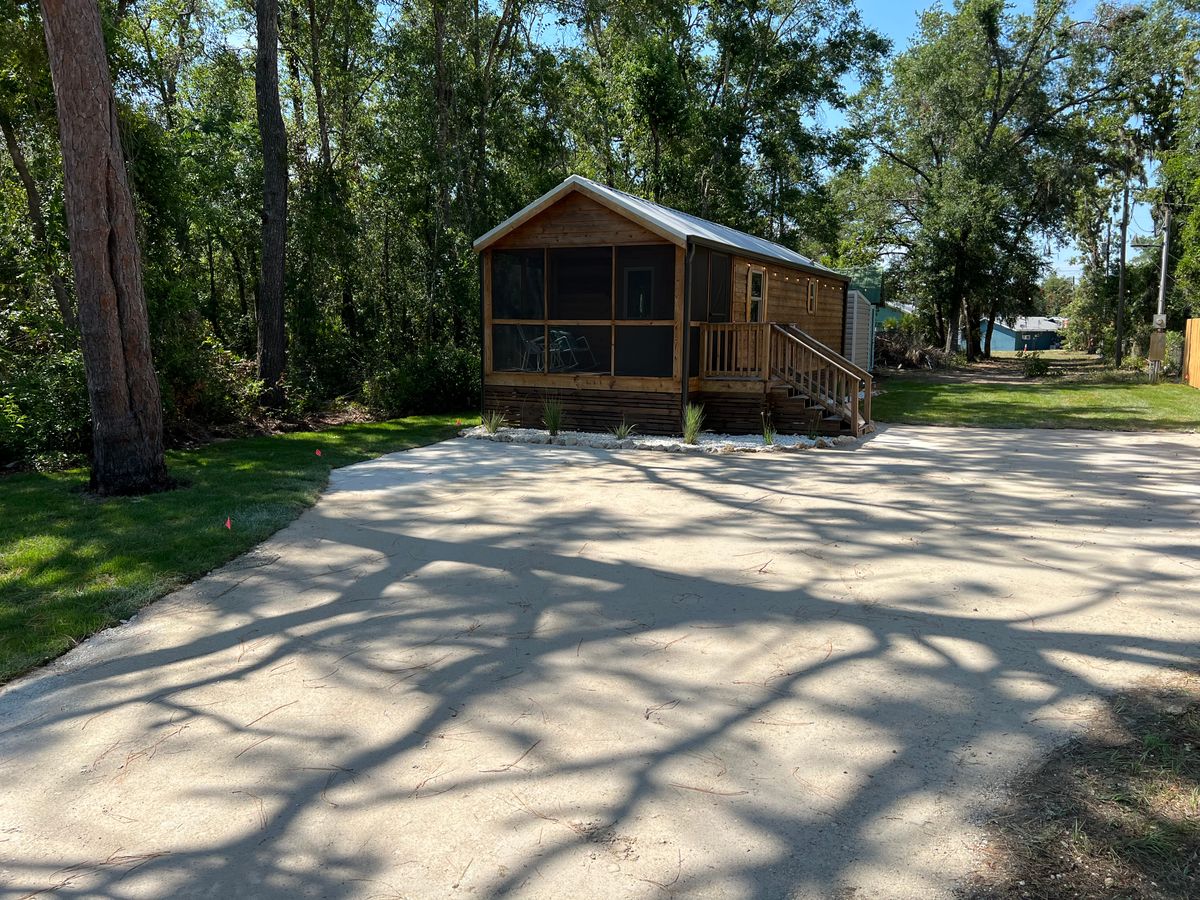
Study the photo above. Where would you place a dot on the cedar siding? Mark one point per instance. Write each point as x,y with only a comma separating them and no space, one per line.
577,221
787,292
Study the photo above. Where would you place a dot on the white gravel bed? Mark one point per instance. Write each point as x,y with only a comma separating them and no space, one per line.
707,442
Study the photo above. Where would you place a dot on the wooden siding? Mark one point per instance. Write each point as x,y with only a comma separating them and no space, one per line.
787,300
577,221
653,412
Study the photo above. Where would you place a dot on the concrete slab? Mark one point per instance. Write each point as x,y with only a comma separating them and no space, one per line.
481,669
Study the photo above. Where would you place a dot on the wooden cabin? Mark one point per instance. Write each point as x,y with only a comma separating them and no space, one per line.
586,292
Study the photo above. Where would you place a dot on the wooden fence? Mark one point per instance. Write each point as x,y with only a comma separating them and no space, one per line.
1191,353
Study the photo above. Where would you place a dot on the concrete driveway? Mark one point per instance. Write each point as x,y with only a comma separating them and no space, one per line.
483,669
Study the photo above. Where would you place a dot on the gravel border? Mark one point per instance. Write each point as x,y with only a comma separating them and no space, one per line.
707,443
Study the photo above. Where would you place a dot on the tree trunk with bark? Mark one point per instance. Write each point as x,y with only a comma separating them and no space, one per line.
127,428
272,339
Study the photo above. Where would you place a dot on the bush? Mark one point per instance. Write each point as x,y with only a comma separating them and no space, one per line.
1035,366
207,385
693,422
44,416
435,380
1174,361
552,415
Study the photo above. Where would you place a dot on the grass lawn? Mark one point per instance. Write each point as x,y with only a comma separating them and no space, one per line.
71,564
1128,406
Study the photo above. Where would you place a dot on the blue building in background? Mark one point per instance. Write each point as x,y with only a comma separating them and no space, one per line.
1025,333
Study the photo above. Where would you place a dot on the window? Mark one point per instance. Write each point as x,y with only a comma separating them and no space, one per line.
812,296
518,282
581,283
756,294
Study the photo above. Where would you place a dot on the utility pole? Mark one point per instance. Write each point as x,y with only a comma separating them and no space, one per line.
1158,340
1162,275
1121,276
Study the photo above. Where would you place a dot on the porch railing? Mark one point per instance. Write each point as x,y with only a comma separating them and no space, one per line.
769,352
828,379
735,350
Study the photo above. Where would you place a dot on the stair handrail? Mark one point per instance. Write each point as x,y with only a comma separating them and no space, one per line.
858,415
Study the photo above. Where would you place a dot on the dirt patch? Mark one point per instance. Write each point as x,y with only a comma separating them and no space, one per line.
1115,813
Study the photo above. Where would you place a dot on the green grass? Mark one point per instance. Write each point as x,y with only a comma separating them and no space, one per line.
1107,407
72,564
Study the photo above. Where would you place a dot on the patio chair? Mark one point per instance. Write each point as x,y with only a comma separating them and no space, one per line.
533,351
567,349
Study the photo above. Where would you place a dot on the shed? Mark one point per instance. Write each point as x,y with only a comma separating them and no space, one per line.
627,310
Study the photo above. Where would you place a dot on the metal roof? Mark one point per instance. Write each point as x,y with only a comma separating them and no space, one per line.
1033,323
672,223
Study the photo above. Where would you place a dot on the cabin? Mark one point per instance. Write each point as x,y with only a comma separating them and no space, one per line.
626,310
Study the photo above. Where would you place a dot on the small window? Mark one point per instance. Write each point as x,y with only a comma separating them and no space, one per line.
757,294
812,297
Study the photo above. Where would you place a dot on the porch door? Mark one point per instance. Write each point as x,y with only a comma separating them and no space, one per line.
756,294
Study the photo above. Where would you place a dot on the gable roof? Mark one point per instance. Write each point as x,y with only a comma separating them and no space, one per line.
677,227
1033,323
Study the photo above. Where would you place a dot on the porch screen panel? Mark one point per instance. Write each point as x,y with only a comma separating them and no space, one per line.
719,287
646,350
580,348
646,282
518,284
699,284
581,283
518,348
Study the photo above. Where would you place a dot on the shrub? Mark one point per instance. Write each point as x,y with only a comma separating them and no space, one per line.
693,422
1174,361
436,379
493,421
207,385
1035,366
44,417
622,431
552,415
768,430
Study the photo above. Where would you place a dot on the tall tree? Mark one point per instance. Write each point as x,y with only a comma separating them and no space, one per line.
982,134
127,443
272,339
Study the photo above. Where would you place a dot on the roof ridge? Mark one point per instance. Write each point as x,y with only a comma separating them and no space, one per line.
680,212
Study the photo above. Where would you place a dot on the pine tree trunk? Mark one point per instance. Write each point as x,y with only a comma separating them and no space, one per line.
272,346
127,429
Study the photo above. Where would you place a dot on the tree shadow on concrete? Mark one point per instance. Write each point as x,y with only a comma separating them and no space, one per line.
495,669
